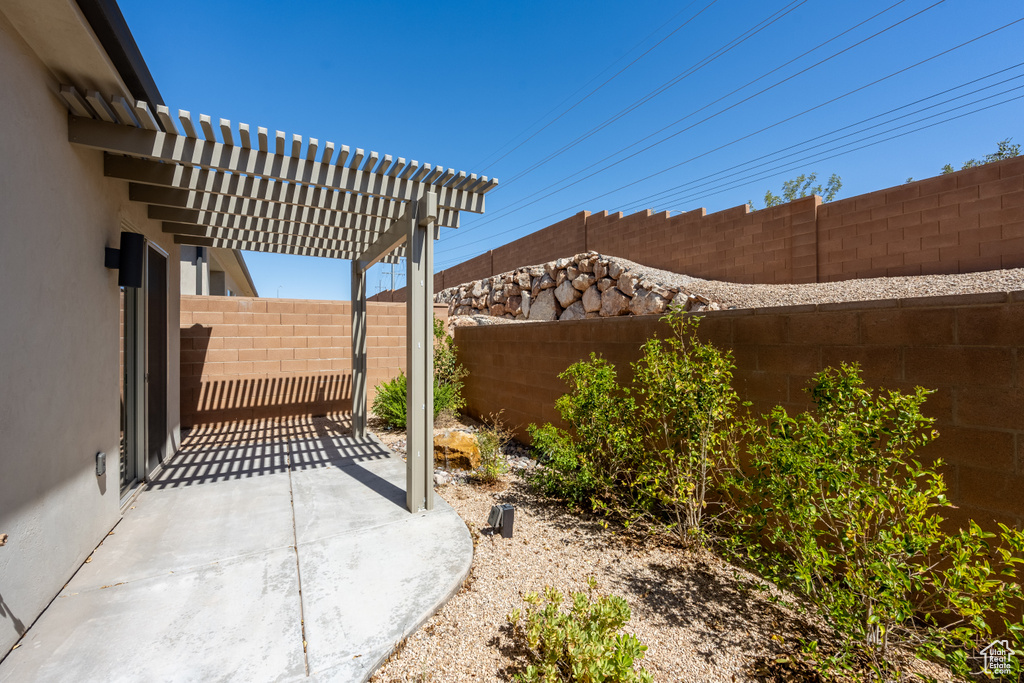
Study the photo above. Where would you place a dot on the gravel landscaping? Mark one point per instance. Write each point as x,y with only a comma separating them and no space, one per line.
699,616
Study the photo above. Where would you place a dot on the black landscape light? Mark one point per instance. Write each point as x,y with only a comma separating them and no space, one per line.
502,518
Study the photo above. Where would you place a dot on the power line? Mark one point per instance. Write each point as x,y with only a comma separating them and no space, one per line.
749,135
803,163
613,77
636,104
709,179
708,118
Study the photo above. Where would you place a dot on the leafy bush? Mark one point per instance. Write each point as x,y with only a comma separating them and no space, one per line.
581,645
851,520
589,466
389,402
687,407
658,458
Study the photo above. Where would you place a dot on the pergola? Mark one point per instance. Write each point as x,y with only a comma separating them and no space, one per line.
284,195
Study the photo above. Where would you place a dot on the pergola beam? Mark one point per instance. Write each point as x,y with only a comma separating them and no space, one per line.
272,248
295,202
351,224
193,152
341,244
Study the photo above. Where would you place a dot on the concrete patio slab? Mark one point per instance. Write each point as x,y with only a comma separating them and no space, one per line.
328,500
178,529
284,560
371,601
234,620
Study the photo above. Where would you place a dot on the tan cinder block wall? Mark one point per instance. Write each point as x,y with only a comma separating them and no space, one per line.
244,358
964,222
969,349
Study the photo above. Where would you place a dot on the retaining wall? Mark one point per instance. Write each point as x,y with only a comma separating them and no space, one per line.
969,349
967,221
245,358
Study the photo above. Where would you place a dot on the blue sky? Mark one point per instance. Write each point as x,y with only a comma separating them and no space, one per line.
681,104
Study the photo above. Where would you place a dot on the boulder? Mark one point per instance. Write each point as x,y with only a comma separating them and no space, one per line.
574,312
571,273
613,303
605,283
600,270
614,270
497,309
544,307
583,281
514,305
627,284
456,449
525,312
478,290
647,303
523,278
592,299
566,293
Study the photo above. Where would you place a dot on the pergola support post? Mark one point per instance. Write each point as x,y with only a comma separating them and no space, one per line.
420,354
358,350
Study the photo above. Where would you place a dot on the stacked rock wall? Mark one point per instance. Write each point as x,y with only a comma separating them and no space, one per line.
586,285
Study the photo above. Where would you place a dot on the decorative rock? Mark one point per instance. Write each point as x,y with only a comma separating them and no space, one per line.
614,270
523,278
600,270
573,312
647,303
613,303
456,449
566,293
544,307
478,289
514,305
441,478
586,266
627,284
536,271
550,268
525,306
592,299
497,310
563,263
583,281
546,282
605,283
560,277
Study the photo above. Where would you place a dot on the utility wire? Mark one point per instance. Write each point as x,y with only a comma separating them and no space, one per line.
711,178
714,115
636,104
796,165
613,77
747,136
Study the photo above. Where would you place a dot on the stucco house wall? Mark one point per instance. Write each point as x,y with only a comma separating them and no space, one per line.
59,365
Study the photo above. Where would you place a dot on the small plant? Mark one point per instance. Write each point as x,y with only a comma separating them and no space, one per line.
491,439
582,645
389,402
840,511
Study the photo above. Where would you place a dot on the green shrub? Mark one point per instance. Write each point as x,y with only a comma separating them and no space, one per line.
657,453
389,402
591,465
687,408
851,521
581,645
